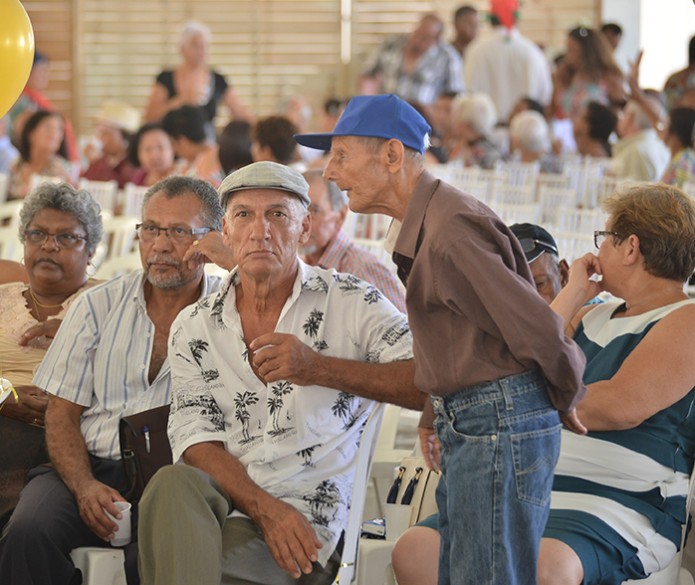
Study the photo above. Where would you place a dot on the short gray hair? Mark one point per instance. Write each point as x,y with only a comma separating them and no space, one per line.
336,197
193,28
478,111
531,131
177,186
66,199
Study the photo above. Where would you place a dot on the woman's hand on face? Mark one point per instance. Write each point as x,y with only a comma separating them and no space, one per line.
581,272
31,407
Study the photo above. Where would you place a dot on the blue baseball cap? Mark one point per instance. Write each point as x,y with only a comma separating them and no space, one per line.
376,116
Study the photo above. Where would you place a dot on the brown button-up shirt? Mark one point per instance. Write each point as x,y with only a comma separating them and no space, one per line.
473,309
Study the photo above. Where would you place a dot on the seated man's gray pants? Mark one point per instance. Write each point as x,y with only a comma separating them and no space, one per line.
46,525
186,537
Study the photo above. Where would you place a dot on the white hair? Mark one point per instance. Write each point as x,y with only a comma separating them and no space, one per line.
193,28
530,131
478,111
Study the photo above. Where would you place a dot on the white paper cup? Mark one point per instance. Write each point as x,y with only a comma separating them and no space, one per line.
122,535
397,517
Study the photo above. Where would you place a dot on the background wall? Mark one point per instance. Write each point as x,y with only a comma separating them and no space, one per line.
268,49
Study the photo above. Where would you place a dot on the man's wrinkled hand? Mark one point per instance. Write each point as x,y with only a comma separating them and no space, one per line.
94,499
281,356
209,249
289,536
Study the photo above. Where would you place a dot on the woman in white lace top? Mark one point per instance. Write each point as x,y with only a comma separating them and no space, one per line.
60,229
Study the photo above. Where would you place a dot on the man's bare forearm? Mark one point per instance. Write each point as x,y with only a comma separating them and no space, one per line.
391,382
66,446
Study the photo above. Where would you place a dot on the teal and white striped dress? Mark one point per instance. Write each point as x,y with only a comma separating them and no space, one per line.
619,496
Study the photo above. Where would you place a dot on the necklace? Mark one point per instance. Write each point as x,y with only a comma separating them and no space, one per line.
38,304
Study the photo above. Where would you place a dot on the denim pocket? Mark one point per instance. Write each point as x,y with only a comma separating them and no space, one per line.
535,455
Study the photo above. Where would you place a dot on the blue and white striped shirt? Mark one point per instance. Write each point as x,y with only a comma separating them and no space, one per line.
101,356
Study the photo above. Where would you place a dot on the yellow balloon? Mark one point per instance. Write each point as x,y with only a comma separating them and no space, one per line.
16,52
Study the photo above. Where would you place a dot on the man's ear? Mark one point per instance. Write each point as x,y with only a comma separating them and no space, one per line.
306,229
564,270
225,228
395,155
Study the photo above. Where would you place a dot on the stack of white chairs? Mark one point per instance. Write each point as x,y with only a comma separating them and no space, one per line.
105,193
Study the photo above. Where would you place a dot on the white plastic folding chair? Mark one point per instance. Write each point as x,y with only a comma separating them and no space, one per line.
37,180
580,221
512,213
573,245
553,198
9,213
120,265
10,248
506,194
133,196
521,174
365,453
105,193
100,566
118,240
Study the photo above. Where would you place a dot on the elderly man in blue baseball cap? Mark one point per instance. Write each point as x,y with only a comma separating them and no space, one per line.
491,354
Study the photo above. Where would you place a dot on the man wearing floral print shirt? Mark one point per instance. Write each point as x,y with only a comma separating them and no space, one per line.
273,380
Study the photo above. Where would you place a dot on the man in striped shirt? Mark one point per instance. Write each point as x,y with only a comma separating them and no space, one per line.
108,360
330,247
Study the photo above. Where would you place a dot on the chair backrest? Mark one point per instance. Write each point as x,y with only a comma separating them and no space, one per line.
105,193
573,245
9,213
518,213
363,465
119,265
133,196
10,246
118,240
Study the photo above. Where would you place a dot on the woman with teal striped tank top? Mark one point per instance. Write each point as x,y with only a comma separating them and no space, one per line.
619,493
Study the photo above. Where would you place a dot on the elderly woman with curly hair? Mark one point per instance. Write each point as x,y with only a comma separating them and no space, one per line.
60,229
618,505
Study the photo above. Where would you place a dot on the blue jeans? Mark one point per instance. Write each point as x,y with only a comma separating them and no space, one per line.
500,443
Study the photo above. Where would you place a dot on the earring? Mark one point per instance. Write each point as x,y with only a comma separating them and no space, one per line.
91,270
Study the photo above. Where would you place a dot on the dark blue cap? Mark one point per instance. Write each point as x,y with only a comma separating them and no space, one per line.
376,116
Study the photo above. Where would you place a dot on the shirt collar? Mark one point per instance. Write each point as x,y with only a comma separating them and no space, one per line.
407,241
306,276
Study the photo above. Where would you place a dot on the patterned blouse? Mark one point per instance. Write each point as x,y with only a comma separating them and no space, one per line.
298,443
681,169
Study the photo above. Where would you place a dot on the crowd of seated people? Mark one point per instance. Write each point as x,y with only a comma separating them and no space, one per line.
179,138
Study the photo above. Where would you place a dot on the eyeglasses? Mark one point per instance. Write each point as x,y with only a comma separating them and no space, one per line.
529,245
600,236
63,239
148,232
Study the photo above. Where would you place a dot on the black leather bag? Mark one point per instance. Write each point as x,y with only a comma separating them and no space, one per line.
144,447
